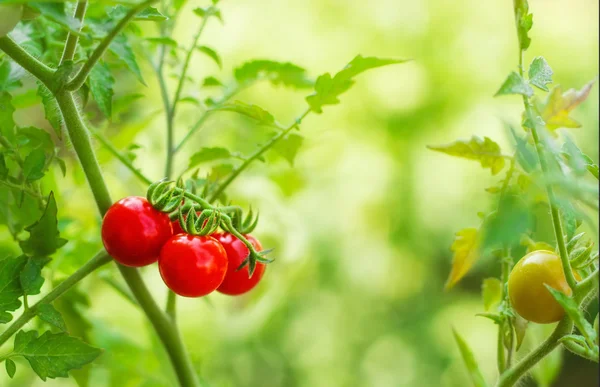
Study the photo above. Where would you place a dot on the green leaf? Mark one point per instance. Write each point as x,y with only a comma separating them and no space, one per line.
208,154
520,325
3,168
44,237
328,88
33,166
101,84
515,84
491,292
572,309
121,48
35,138
10,286
524,22
469,359
55,11
49,314
278,73
288,146
540,73
211,81
11,368
52,355
150,14
7,123
208,12
505,226
558,106
466,252
31,276
577,160
51,109
257,113
219,171
486,151
9,79
212,54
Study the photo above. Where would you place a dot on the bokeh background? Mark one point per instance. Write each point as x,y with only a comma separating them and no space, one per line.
361,224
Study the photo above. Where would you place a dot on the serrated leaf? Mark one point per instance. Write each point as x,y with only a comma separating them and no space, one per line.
491,292
278,73
208,154
328,88
465,248
255,112
211,53
486,151
33,166
52,355
557,107
524,21
572,310
150,14
469,360
121,48
211,81
288,146
101,84
515,84
540,73
31,275
11,368
7,123
49,314
55,11
10,287
51,110
44,237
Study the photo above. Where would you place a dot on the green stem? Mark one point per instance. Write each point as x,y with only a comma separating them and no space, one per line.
589,283
71,44
26,60
83,73
501,355
22,188
97,261
274,140
171,308
115,152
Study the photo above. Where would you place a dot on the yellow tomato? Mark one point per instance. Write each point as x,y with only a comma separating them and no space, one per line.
528,295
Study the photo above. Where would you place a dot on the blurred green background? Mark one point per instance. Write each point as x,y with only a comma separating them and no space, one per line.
361,224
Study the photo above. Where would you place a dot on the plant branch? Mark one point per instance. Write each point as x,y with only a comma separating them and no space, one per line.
71,43
83,73
26,60
28,191
274,140
100,259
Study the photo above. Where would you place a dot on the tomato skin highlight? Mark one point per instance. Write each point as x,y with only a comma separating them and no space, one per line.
236,282
133,231
191,265
528,295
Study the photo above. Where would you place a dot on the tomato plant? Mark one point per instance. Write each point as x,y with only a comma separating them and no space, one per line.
67,55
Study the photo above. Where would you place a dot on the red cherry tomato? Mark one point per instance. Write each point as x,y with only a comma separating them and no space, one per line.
192,266
133,232
236,281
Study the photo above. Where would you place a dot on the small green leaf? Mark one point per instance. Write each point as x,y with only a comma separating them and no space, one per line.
52,355
328,88
9,79
49,314
540,73
208,154
55,11
278,73
469,359
209,11
11,368
34,138
121,48
212,54
486,151
572,309
491,292
288,146
101,86
44,237
524,23
257,113
51,109
10,286
33,166
520,326
31,276
211,81
220,171
505,226
150,14
515,84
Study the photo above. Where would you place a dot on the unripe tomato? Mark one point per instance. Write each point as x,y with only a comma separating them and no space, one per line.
236,281
133,232
191,265
10,15
526,290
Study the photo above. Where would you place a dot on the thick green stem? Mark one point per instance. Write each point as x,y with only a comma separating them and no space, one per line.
71,44
98,260
26,60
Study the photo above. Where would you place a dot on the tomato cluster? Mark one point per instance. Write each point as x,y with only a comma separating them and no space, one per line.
136,234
